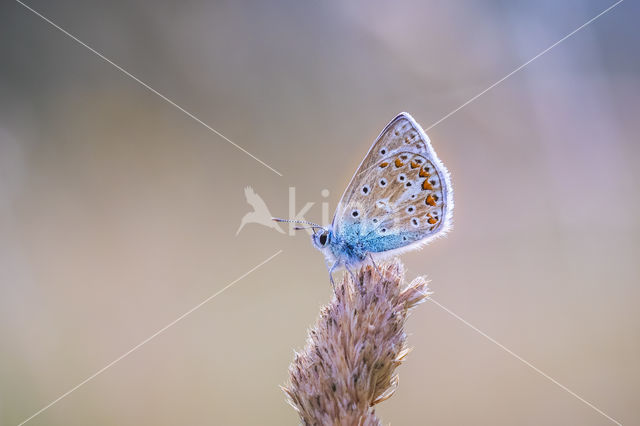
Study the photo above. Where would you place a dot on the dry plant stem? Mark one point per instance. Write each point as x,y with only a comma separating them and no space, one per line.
348,363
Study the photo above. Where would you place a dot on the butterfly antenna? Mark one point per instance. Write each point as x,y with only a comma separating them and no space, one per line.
312,225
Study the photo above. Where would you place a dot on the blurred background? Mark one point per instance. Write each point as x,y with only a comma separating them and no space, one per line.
118,212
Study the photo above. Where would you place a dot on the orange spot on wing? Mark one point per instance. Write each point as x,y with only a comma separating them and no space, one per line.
430,200
399,163
432,220
383,165
423,173
426,185
414,164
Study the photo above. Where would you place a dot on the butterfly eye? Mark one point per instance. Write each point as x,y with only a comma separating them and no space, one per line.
323,239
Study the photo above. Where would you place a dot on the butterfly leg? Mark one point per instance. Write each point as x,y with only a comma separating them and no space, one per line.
333,284
353,276
374,265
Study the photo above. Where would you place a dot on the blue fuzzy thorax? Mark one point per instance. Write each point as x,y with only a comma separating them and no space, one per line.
347,245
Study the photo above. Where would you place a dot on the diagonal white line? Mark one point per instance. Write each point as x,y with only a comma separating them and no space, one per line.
148,339
524,65
145,85
518,357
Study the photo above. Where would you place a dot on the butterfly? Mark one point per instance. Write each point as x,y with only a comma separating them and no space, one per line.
399,199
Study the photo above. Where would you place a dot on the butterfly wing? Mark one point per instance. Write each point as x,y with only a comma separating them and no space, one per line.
400,195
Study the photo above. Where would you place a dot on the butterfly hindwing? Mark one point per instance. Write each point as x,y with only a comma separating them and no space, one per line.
400,195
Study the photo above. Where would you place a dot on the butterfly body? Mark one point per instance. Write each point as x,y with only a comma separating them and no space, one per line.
346,247
399,199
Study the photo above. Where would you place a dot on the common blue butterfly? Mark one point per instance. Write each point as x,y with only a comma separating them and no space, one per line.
399,199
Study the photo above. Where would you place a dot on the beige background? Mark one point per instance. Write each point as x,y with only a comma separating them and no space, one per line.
118,212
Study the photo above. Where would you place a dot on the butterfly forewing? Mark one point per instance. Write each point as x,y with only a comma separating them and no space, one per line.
401,192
